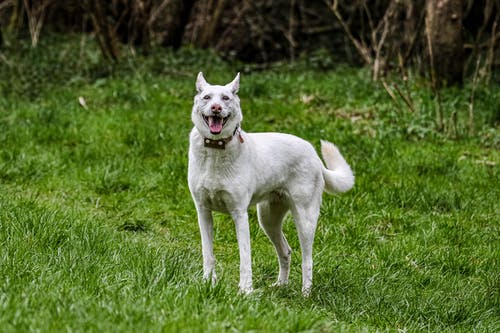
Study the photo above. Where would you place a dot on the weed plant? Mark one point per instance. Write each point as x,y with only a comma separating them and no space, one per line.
98,232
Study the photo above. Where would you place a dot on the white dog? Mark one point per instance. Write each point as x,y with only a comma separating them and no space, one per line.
230,170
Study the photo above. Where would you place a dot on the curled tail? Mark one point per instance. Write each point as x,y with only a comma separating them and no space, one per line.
338,175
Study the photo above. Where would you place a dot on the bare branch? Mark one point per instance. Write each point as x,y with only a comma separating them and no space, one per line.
363,50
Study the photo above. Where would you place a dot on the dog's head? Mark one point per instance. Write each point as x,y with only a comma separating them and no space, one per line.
216,110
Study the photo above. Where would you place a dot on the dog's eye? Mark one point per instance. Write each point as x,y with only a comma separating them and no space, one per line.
225,98
207,97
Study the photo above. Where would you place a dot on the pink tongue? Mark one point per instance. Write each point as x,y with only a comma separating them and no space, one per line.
215,124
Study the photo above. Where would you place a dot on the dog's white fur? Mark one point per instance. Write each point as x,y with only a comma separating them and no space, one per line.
278,172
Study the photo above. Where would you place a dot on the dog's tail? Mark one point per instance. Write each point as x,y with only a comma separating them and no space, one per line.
337,174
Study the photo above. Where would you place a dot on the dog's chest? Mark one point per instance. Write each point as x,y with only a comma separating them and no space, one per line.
215,184
215,199
216,193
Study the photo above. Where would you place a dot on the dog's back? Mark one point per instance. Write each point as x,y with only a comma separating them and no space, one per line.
283,163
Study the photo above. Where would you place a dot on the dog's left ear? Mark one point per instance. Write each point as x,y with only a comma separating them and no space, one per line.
235,84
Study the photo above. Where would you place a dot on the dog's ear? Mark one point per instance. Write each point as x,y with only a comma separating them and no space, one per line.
201,83
235,84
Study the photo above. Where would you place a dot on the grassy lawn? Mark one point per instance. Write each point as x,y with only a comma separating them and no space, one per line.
98,232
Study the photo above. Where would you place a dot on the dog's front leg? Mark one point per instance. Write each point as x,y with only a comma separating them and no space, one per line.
240,218
206,225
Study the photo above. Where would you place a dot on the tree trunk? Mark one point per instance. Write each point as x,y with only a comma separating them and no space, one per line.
445,45
175,30
105,33
207,36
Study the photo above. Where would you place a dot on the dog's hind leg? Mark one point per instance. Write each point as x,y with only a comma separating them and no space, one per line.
306,218
271,216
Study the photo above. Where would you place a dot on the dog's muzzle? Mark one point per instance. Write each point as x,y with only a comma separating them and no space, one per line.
215,123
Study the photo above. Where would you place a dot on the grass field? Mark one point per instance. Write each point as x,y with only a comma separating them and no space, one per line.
98,232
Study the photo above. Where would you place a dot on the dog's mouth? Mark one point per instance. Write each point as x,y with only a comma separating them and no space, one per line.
215,123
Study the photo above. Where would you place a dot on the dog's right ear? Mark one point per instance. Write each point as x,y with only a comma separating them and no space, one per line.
201,83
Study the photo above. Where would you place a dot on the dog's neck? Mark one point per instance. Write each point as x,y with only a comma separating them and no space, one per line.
221,143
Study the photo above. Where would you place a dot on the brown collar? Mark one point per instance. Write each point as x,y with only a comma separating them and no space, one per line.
221,143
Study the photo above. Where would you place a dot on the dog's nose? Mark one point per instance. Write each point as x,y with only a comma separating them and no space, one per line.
216,108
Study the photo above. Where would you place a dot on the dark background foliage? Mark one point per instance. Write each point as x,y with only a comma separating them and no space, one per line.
382,34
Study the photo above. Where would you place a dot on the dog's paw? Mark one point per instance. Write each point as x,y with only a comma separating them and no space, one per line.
246,290
306,292
280,283
210,278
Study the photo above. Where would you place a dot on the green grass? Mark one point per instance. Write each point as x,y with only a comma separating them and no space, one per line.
98,231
